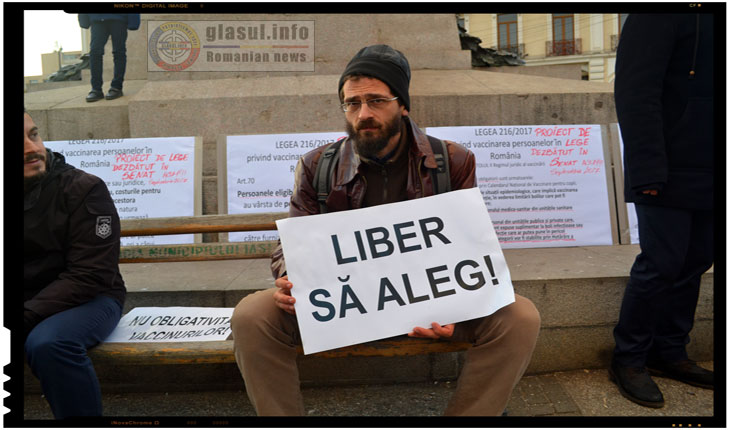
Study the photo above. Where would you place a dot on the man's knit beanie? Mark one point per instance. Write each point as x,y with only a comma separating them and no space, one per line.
384,63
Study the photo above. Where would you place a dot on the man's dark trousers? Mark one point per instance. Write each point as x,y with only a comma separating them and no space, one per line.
100,32
658,308
56,353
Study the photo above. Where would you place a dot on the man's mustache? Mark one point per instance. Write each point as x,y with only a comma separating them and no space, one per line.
35,156
368,123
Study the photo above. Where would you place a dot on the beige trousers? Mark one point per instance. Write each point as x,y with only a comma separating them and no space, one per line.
266,339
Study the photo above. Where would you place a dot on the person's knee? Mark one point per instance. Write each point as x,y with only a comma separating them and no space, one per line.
40,349
251,315
96,51
528,314
523,317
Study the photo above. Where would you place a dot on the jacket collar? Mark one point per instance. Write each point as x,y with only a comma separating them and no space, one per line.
55,165
419,147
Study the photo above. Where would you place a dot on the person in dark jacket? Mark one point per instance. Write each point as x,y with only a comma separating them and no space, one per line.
73,291
102,26
664,104
385,159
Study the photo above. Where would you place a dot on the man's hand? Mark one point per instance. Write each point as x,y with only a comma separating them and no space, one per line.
282,297
435,332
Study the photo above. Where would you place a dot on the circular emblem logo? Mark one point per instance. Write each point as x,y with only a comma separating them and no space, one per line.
174,46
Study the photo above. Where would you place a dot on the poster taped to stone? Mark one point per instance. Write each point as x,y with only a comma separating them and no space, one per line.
544,185
260,174
630,207
377,272
173,324
147,178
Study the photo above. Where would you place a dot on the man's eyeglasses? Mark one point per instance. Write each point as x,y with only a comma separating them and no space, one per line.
374,104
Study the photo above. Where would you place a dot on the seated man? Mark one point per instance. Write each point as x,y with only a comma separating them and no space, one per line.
385,159
73,291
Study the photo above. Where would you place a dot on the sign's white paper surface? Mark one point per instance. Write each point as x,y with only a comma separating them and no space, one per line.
377,272
173,324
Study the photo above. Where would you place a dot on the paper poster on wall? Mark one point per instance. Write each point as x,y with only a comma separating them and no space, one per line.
630,208
260,174
147,178
377,272
544,185
173,324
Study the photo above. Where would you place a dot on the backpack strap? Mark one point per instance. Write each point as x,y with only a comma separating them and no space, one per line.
440,176
323,173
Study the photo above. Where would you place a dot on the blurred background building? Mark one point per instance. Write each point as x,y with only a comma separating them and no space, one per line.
571,46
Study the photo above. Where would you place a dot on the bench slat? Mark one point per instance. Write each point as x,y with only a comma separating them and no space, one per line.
196,252
222,351
201,224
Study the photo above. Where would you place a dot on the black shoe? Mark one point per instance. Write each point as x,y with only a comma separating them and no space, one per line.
686,371
94,95
635,384
114,93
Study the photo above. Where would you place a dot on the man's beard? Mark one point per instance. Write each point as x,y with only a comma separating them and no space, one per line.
370,146
31,181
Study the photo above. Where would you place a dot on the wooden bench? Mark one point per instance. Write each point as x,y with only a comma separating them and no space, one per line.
222,351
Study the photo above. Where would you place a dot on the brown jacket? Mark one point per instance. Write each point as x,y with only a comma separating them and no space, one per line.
349,185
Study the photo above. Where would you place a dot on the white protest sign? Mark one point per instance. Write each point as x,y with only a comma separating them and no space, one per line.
173,324
260,174
544,186
377,272
147,178
630,208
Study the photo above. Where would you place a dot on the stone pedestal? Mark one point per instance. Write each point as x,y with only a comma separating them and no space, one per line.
429,41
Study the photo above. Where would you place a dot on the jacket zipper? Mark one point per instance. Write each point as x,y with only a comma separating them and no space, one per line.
420,177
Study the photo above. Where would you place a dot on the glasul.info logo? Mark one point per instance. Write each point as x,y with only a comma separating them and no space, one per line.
174,46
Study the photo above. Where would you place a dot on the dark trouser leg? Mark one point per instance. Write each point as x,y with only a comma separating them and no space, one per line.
662,292
118,31
56,352
99,36
672,333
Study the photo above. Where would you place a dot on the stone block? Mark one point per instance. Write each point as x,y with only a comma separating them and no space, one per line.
429,41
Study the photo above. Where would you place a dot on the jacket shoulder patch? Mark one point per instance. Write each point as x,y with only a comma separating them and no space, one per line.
104,226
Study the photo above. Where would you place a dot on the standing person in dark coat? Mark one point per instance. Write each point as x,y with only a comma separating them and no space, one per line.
664,103
102,26
73,291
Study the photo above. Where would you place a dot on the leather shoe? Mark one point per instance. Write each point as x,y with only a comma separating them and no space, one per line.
635,384
114,93
686,371
94,95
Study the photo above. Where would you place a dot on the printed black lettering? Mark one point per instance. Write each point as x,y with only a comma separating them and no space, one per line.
385,284
401,237
344,305
478,276
330,308
432,232
435,282
373,242
338,253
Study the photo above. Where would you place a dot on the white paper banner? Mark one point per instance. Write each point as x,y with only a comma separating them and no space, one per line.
173,324
377,272
544,186
261,174
147,178
630,208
